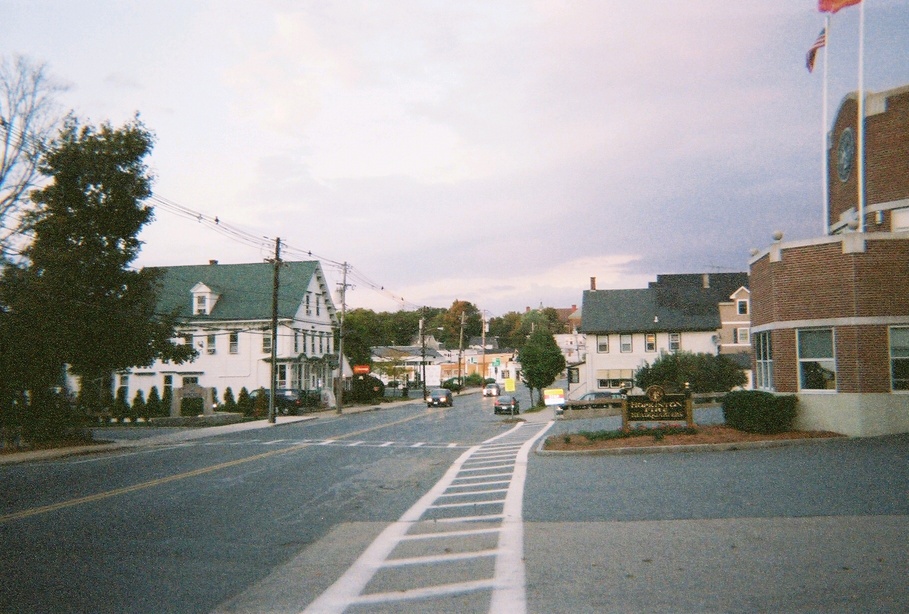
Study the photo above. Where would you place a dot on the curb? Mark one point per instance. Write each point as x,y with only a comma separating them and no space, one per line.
691,448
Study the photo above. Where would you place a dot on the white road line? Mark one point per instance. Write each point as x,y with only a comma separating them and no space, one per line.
508,583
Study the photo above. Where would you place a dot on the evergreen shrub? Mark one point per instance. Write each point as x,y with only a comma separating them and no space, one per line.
756,411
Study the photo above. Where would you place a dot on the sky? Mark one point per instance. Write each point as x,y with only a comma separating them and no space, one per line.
501,152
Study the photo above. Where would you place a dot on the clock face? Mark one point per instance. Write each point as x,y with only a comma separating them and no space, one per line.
845,154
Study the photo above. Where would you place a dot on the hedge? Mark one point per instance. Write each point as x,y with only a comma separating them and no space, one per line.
755,411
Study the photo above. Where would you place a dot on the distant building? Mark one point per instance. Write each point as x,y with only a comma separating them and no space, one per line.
830,315
628,329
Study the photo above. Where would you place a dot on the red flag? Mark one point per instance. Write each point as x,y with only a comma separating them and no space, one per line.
832,6
812,53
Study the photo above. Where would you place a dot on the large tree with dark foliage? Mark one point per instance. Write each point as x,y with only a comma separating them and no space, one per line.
75,300
701,372
541,361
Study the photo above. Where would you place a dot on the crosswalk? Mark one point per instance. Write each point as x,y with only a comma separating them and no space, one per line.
462,539
342,443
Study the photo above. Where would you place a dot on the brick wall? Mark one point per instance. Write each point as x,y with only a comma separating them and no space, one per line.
886,153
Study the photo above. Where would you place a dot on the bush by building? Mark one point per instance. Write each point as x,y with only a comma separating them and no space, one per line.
756,411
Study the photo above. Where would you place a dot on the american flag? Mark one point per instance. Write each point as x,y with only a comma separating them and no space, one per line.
812,53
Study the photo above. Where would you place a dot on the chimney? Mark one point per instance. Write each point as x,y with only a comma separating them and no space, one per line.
705,280
593,283
212,262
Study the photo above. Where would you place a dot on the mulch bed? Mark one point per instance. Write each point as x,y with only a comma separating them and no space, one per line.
705,435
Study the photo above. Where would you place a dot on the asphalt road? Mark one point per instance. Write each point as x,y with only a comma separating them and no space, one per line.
269,520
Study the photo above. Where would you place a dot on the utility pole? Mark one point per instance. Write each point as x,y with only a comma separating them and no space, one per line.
340,385
483,337
274,333
423,351
461,349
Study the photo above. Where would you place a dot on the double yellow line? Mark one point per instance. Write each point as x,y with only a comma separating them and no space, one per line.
44,509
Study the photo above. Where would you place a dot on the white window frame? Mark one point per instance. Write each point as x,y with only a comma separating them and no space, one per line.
211,342
234,343
741,335
266,342
826,363
675,342
650,342
602,344
742,302
763,353
901,355
626,340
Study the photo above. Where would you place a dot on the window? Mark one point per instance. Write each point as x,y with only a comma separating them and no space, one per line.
282,376
740,335
168,386
296,342
318,304
603,344
308,309
266,343
211,341
899,358
675,342
190,380
625,343
763,352
235,343
817,364
650,342
187,339
201,305
321,349
742,306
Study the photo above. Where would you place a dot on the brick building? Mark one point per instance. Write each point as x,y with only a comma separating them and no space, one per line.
830,315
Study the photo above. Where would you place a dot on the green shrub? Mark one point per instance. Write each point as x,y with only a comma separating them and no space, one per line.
452,384
366,389
755,411
474,379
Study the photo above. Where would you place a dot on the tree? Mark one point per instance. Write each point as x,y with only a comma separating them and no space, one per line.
702,372
541,361
509,330
450,322
75,295
27,122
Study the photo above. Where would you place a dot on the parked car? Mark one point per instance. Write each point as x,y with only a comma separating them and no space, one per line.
595,399
491,390
440,397
506,404
288,401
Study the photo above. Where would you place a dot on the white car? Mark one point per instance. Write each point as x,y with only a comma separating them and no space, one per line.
491,390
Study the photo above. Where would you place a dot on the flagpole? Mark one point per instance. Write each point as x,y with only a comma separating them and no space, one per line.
825,167
861,120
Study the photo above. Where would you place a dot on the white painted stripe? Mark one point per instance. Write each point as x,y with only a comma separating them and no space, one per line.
417,445
441,558
328,442
484,518
355,443
466,504
473,492
453,445
439,534
425,593
346,589
488,468
472,484
273,441
386,444
509,594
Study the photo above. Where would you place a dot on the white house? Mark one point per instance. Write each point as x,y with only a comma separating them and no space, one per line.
225,312
628,329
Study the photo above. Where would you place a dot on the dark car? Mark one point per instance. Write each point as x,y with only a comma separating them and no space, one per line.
439,398
288,401
506,404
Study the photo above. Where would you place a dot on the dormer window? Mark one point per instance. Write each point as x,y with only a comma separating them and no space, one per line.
204,299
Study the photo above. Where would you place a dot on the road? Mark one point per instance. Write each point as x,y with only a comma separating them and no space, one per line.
368,511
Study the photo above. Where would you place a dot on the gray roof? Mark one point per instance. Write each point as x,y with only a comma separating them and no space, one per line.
245,289
648,310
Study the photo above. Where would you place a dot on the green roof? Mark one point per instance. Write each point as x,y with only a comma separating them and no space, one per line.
245,289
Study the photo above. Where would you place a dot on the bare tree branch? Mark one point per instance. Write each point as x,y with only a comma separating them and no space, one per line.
28,119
